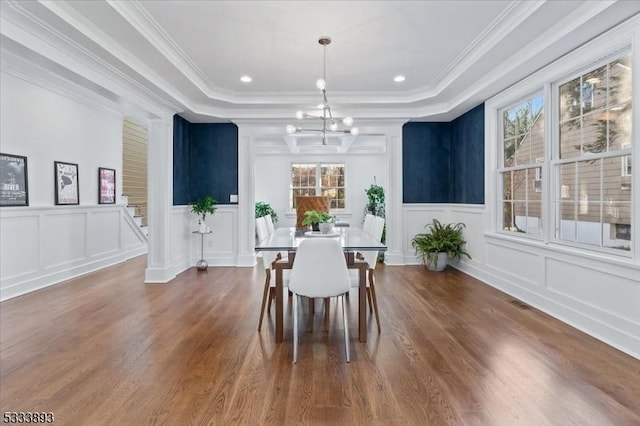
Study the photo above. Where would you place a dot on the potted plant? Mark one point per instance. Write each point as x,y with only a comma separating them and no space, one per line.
315,218
375,200
263,209
440,244
202,208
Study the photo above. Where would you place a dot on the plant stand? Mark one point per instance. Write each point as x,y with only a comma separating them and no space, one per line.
202,264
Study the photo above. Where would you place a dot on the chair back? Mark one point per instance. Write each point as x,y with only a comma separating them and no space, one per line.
269,221
368,223
319,269
261,229
377,227
308,202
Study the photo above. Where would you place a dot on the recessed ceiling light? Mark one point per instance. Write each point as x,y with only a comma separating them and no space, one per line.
246,79
398,78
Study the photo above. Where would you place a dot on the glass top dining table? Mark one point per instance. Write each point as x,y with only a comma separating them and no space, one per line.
351,240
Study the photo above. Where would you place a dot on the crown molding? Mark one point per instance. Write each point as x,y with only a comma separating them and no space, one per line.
15,65
137,16
555,33
139,19
500,28
55,46
30,31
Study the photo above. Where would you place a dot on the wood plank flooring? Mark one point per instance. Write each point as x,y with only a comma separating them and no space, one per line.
106,349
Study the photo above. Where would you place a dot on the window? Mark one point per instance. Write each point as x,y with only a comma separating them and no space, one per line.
318,179
522,141
594,140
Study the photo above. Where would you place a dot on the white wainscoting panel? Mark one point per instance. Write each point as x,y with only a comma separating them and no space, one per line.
220,247
19,254
600,290
104,232
414,218
63,238
519,262
42,246
181,239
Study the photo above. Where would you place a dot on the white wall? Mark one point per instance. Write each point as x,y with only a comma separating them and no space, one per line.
273,176
43,244
46,127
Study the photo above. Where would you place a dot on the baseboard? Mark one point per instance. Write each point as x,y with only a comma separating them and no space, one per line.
590,325
57,277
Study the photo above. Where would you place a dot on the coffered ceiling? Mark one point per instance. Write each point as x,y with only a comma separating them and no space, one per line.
190,55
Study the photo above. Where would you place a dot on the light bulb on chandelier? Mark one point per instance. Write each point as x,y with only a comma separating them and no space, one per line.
325,113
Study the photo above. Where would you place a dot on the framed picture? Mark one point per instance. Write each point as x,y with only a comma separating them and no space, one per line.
66,179
14,190
106,186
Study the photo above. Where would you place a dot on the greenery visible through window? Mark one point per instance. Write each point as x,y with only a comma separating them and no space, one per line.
523,143
594,116
318,179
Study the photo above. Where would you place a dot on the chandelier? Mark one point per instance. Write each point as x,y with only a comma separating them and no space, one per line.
329,122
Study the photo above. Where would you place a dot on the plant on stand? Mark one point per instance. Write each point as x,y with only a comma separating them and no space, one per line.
202,207
440,244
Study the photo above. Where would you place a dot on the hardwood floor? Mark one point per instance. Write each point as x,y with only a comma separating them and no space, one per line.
106,349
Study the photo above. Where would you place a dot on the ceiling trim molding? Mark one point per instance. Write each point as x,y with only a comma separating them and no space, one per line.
567,25
15,65
142,21
90,59
55,46
501,27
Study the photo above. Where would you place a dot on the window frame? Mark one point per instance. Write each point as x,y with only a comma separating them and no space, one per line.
615,43
535,165
318,187
556,160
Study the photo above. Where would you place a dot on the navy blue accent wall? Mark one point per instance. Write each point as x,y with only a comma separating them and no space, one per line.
425,162
444,162
181,161
467,157
205,161
214,161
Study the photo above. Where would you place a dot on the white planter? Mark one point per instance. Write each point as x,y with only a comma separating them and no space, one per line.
325,227
436,262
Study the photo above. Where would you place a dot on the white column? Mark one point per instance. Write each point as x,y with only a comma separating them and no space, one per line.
394,220
246,208
160,200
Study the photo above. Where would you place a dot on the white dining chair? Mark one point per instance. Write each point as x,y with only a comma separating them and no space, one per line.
268,257
319,271
371,257
268,292
261,228
270,226
368,223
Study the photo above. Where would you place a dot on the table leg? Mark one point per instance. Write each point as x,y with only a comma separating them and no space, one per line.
362,303
279,303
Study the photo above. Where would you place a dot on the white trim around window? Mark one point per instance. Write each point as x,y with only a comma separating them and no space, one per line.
624,38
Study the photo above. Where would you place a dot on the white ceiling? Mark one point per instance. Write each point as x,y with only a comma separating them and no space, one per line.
191,54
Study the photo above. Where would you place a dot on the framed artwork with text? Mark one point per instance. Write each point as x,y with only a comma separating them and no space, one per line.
14,189
66,181
106,186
